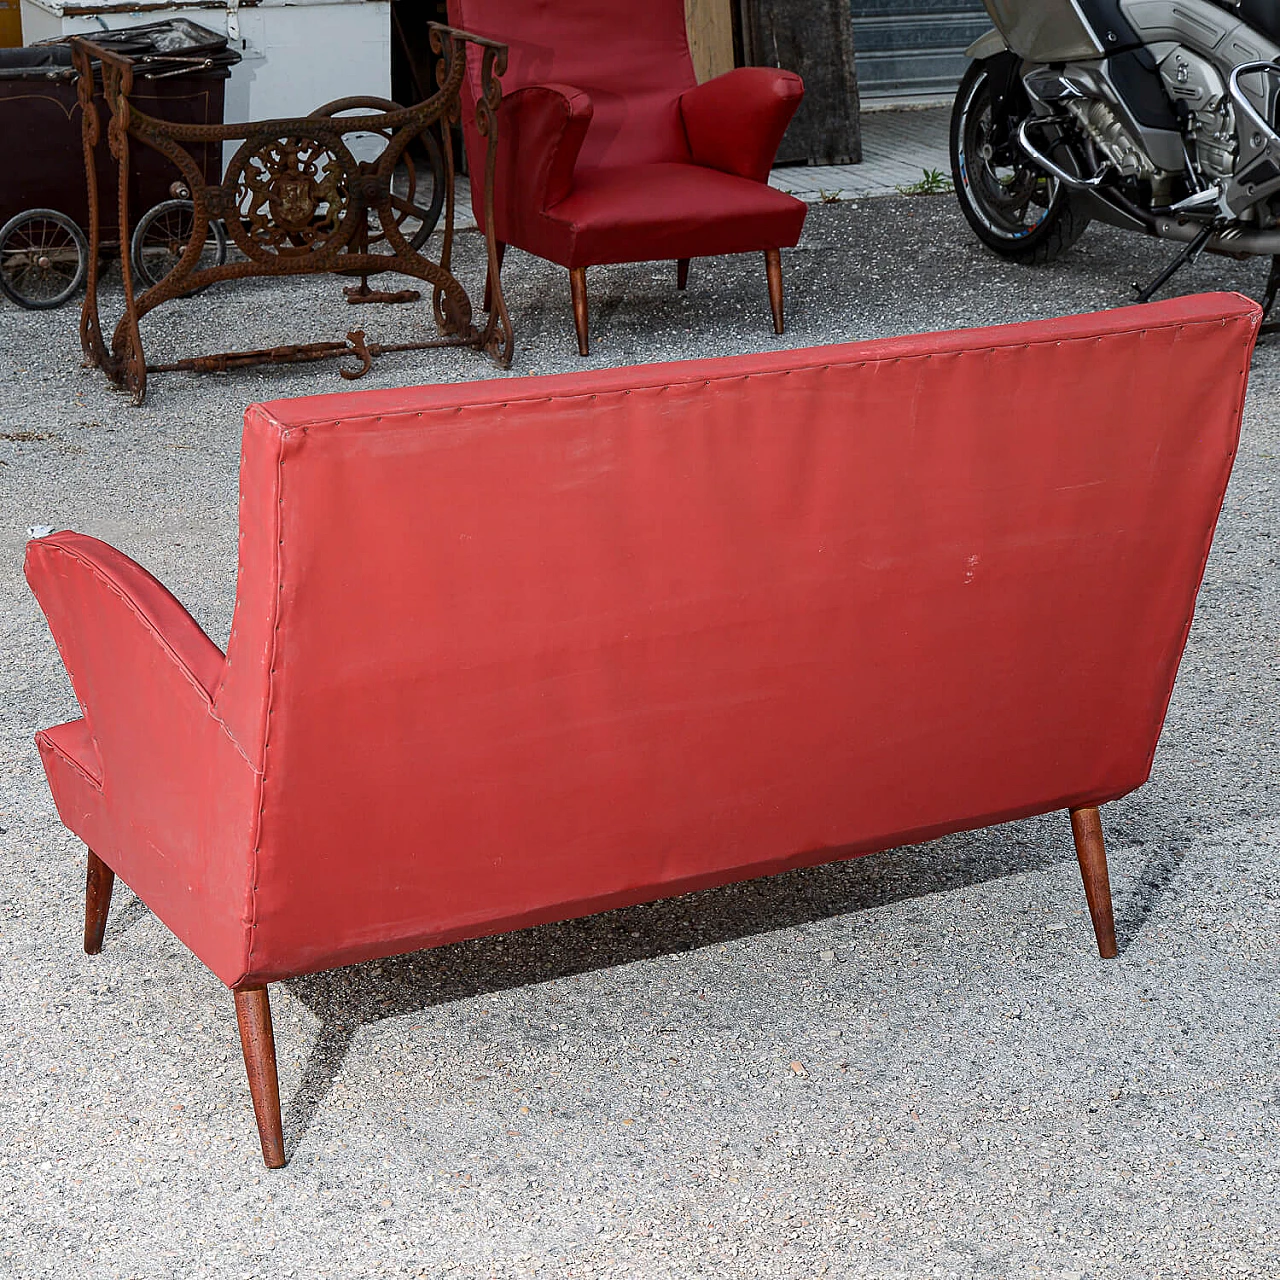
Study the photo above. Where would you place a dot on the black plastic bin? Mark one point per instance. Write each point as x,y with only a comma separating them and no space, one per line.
180,74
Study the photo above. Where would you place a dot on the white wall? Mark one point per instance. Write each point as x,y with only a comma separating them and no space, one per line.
296,57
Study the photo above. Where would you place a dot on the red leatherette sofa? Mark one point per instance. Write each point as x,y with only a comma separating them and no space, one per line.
513,651
610,151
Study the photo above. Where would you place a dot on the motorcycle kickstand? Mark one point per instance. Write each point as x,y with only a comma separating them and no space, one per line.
1269,298
1190,252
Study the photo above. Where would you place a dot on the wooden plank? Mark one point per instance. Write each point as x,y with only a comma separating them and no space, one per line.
10,24
710,26
814,38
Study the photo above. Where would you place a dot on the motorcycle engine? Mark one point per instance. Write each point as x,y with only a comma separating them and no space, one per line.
1082,95
1195,81
1115,142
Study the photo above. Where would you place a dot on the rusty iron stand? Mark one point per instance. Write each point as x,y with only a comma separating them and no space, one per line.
295,201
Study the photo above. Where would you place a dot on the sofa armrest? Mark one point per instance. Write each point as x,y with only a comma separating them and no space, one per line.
736,121
540,132
142,670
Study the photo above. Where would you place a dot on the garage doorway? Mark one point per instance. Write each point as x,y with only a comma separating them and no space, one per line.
913,49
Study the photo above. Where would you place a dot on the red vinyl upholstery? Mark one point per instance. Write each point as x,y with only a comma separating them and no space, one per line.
609,150
513,651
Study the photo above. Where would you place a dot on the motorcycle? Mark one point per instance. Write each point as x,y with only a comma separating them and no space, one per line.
1158,116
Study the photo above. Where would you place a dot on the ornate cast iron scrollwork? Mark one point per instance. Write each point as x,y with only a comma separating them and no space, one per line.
295,201
497,338
450,44
291,194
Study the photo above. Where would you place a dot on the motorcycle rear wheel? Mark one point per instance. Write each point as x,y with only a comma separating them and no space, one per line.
1014,208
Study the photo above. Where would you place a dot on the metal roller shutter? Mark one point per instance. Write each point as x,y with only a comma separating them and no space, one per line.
913,48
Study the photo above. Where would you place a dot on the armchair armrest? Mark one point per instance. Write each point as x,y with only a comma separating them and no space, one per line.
736,121
141,668
540,132
172,804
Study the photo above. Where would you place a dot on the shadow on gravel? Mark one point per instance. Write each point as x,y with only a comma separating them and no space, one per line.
124,915
1136,907
346,999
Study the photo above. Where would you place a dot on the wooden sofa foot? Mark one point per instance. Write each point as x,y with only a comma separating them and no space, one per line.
253,1013
578,288
500,249
1086,827
773,269
98,883
682,273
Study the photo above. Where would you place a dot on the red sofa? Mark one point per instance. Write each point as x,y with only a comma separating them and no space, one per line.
509,652
610,151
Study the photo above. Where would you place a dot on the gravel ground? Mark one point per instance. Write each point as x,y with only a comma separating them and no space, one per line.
912,1065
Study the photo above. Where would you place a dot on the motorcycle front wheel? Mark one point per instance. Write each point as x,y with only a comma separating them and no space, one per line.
1014,208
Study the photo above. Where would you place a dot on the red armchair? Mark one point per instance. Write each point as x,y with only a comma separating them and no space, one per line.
610,151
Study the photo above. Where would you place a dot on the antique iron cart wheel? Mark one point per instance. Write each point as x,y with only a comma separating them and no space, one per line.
161,238
43,258
1014,208
417,186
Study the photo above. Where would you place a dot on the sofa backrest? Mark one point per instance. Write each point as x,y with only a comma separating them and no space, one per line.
510,650
633,62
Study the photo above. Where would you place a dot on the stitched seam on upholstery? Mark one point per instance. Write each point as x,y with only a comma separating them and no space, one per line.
261,775
231,738
95,783
150,626
1238,414
708,379
147,624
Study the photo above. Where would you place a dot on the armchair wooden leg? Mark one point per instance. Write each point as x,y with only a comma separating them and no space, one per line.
773,269
501,249
578,288
98,883
682,272
1086,827
253,1013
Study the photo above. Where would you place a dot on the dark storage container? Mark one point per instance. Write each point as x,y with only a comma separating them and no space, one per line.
181,75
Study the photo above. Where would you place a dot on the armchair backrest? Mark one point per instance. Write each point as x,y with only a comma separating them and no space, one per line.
518,648
633,61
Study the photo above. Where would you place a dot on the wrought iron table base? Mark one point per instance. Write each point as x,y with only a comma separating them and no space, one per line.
295,201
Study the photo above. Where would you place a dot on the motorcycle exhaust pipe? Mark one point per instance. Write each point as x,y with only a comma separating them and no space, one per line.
1232,243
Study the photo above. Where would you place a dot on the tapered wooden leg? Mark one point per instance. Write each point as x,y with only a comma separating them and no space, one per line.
578,287
1086,826
98,883
253,1013
682,272
500,249
773,269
